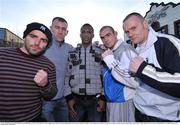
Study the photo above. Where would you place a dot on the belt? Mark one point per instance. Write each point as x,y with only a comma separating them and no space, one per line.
84,97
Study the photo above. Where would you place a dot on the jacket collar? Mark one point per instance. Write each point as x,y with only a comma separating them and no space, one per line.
118,43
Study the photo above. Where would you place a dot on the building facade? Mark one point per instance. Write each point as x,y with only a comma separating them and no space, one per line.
164,18
9,39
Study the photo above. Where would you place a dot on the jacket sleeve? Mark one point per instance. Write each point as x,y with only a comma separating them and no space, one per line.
167,78
67,88
50,90
119,70
114,90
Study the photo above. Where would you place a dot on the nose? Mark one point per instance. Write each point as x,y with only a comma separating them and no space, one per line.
38,41
106,40
60,30
130,35
86,33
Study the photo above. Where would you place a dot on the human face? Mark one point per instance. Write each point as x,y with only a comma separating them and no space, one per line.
59,30
136,29
35,43
108,38
86,35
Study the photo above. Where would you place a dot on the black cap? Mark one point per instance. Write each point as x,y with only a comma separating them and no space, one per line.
38,26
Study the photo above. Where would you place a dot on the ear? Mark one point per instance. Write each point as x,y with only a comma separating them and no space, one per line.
50,28
116,33
67,32
80,35
93,35
145,23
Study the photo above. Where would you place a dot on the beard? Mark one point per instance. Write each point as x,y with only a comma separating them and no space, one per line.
35,52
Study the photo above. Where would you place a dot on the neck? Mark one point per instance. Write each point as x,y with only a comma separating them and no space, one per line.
23,49
60,41
143,43
86,45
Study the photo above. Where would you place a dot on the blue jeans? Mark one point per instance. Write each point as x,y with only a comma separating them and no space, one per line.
86,111
55,110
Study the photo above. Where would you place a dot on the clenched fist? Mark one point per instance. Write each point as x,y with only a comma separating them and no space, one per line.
106,53
41,78
135,64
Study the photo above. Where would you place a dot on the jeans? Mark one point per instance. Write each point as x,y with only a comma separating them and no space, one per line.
87,111
55,110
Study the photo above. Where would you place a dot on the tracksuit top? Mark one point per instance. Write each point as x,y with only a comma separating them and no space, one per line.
159,75
122,109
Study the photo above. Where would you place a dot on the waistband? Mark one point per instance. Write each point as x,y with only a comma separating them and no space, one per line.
85,97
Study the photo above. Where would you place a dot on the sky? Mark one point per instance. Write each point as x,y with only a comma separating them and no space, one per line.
16,14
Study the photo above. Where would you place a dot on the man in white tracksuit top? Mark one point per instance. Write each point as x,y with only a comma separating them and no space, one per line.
117,58
157,68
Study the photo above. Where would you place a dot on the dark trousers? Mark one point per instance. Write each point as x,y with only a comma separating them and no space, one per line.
38,119
86,109
145,118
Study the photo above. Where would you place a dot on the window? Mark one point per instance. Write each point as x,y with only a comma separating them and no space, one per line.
177,28
163,29
155,25
157,28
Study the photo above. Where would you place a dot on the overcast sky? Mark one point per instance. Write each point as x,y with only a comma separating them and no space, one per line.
16,14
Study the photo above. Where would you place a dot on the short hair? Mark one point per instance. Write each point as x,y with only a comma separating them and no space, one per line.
59,19
104,27
87,25
134,14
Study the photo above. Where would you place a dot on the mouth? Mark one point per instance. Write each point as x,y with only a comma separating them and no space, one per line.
35,48
133,38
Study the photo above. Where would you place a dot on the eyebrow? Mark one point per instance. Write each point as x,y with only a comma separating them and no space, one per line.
34,35
108,34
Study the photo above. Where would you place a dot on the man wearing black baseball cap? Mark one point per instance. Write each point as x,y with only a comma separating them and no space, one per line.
40,27
26,76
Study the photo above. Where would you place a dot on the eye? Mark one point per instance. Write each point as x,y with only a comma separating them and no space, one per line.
32,35
56,27
44,40
109,34
102,37
83,31
133,28
63,28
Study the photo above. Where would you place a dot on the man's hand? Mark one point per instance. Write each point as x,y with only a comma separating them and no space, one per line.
102,47
72,112
135,64
101,106
41,78
106,53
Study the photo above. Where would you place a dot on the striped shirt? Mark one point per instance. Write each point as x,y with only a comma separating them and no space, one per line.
20,97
